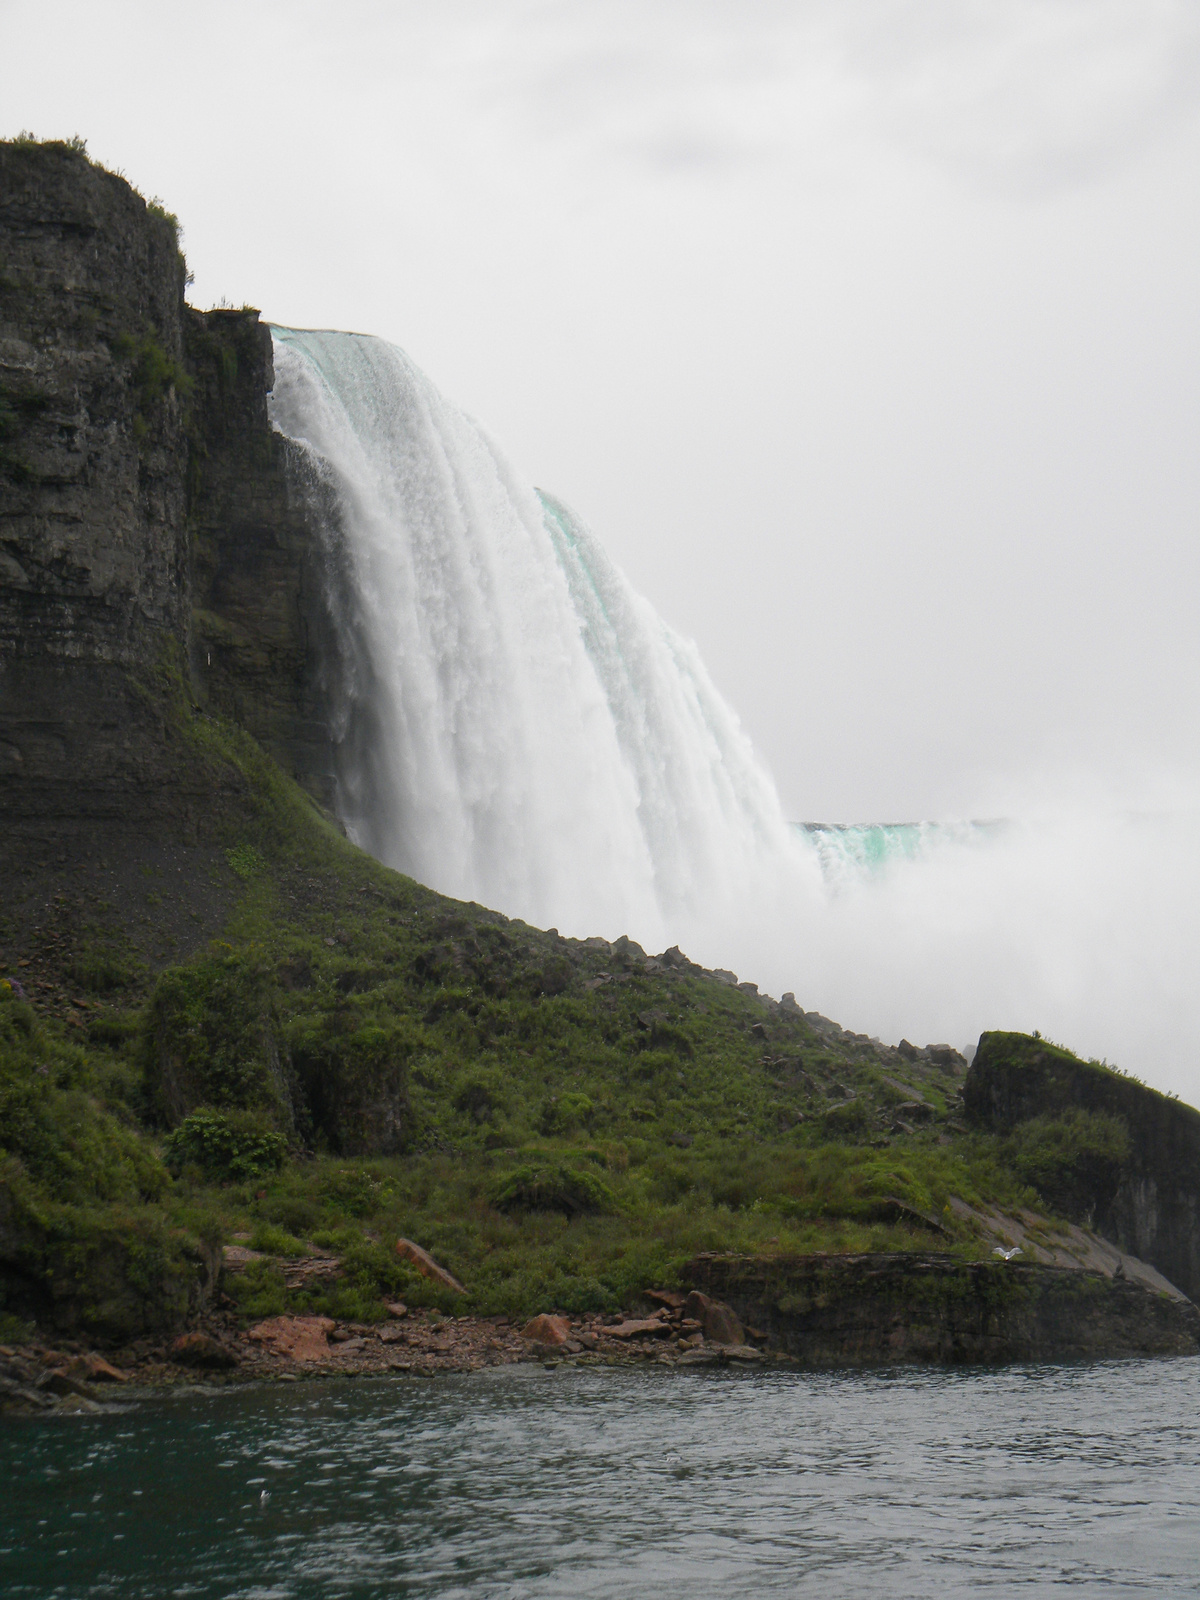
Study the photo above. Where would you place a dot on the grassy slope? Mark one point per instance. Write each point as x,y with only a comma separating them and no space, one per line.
358,1058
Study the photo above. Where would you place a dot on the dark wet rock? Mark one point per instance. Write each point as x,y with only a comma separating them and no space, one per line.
202,1350
17,1397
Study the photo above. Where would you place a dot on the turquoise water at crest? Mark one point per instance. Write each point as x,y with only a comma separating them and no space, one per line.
522,1482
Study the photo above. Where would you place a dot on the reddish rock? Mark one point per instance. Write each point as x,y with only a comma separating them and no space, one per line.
300,1339
94,1369
719,1321
395,1308
651,1326
671,1298
427,1266
547,1330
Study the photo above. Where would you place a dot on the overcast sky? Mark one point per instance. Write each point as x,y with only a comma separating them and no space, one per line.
863,333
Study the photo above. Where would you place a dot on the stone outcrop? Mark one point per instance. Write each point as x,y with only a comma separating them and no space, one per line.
1149,1203
869,1310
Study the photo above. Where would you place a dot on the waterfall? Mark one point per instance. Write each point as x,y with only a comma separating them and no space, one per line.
521,727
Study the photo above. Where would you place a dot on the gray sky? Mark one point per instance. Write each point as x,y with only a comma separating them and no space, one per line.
863,333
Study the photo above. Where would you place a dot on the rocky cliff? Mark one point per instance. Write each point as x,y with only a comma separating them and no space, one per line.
863,1310
149,516
262,650
1142,1191
93,541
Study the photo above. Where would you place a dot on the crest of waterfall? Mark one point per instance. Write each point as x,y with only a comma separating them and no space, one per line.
520,727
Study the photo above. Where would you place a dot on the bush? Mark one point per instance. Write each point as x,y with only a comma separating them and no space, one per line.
212,1039
553,1187
227,1146
1073,1161
566,1113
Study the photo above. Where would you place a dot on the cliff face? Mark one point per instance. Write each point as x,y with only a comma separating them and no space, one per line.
93,546
870,1310
150,523
1148,1202
262,651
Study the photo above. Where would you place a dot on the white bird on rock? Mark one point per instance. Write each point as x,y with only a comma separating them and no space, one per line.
1007,1255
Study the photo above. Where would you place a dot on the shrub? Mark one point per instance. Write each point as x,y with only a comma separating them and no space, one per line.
212,1039
1073,1160
553,1186
226,1145
566,1113
356,1190
246,860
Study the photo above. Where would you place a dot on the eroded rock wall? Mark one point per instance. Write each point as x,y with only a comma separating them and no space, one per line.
1150,1205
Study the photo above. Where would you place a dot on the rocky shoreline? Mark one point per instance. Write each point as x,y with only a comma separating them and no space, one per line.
818,1312
69,1377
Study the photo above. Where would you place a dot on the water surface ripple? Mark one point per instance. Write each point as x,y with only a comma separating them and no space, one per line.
523,1482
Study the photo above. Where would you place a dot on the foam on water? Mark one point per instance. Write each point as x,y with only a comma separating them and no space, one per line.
521,728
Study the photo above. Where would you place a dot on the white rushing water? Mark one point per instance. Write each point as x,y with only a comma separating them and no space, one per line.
521,728
541,741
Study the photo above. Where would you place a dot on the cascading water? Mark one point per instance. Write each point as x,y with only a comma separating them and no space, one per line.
522,729
519,727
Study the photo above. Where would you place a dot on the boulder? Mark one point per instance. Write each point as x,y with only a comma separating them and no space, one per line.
92,1368
915,1111
202,1350
945,1055
719,1321
298,1338
545,1329
427,1266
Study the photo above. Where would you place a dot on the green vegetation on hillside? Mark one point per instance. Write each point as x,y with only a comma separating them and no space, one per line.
357,1059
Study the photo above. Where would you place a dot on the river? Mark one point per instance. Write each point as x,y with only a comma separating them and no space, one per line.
582,1482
